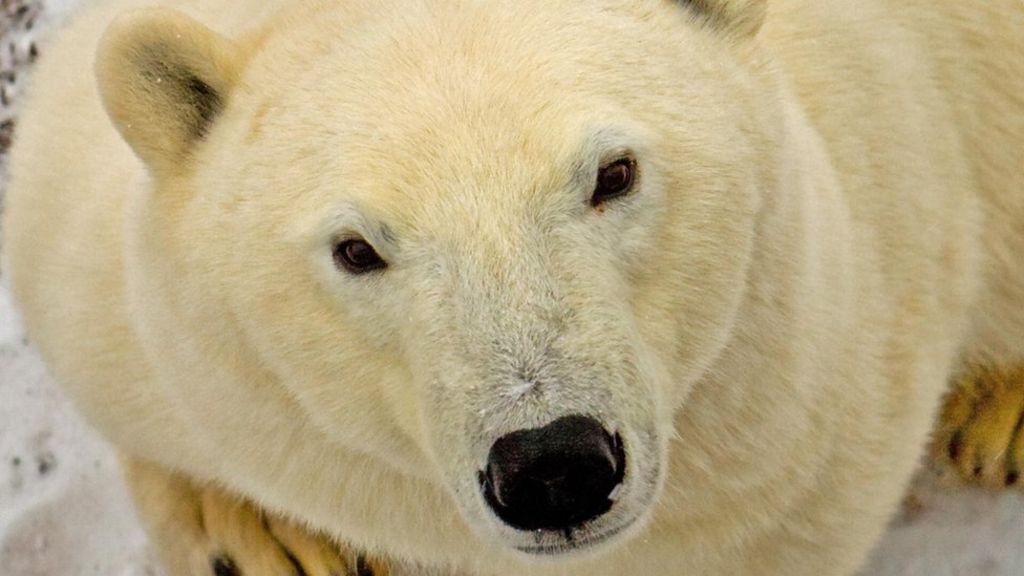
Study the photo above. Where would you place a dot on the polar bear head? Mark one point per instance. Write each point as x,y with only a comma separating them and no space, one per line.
493,244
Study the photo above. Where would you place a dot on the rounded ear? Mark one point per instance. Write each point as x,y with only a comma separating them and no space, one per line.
163,79
739,17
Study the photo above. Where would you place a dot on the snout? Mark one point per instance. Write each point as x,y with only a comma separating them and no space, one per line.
556,477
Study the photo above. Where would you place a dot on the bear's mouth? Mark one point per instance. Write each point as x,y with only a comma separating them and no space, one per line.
573,542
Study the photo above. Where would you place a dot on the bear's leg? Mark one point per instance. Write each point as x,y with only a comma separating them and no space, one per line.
982,426
203,531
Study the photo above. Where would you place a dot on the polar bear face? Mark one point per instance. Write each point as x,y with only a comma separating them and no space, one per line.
493,244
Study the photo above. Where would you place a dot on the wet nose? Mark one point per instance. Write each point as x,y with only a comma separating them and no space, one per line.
555,477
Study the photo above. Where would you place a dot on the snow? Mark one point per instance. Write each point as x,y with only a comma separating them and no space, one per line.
64,510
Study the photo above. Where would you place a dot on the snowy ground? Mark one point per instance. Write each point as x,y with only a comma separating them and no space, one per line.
64,511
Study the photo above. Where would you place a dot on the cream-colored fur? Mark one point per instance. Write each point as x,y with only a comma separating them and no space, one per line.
829,217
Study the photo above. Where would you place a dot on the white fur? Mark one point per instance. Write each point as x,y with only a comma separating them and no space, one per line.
826,221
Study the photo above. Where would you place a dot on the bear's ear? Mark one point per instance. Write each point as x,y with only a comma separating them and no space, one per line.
164,78
739,17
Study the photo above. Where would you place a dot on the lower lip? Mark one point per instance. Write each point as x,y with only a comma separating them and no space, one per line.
575,546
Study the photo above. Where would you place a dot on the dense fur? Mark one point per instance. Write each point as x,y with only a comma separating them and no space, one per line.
827,220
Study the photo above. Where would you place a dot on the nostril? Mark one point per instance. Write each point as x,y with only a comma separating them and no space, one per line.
554,477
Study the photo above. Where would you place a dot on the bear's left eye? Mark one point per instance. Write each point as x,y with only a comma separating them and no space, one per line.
613,180
357,256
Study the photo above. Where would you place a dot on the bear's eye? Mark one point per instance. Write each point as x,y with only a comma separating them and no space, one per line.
613,180
357,256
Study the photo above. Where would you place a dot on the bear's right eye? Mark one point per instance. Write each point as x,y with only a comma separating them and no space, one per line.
613,180
357,256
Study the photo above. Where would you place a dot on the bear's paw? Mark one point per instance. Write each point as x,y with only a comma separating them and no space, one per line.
201,530
981,431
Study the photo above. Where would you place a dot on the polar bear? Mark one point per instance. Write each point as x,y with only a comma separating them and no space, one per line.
525,287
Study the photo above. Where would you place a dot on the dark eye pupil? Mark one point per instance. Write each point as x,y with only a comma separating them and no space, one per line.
613,180
357,256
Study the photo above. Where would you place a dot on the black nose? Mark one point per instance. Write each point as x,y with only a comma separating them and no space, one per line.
555,477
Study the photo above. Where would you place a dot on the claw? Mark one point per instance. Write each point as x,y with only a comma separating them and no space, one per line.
224,566
955,446
362,567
